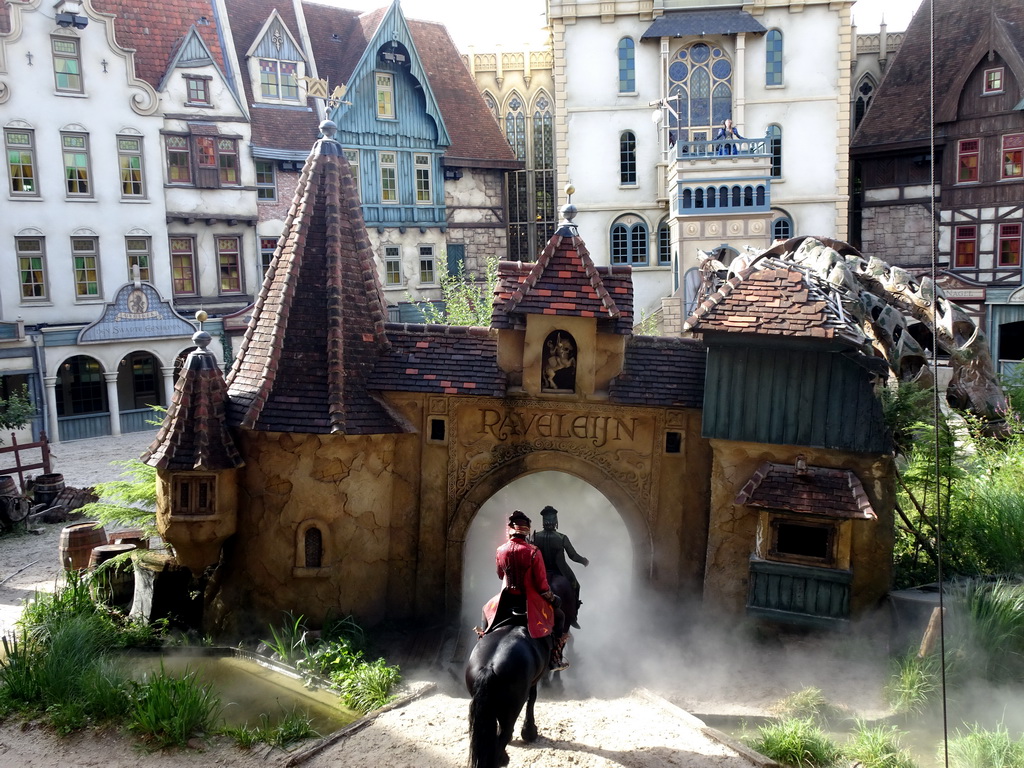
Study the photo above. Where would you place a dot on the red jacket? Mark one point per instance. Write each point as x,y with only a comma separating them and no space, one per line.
521,567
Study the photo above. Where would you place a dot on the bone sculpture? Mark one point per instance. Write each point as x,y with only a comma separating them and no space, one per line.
882,302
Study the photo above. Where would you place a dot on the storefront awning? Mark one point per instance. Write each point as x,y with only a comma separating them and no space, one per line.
684,23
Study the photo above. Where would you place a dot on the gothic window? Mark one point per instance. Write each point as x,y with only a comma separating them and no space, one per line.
700,91
865,92
531,192
773,58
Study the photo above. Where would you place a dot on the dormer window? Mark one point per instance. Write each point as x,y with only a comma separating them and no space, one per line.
279,80
993,81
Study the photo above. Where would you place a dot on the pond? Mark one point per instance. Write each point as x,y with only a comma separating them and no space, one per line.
250,686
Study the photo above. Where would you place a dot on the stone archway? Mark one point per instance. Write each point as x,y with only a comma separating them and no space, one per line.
540,461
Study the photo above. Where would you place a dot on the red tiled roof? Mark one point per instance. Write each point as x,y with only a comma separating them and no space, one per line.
273,126
771,302
564,281
194,434
661,371
810,491
440,359
155,30
318,325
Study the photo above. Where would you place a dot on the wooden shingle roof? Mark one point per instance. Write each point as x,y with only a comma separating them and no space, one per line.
194,434
779,302
318,325
440,359
964,33
807,490
564,281
661,371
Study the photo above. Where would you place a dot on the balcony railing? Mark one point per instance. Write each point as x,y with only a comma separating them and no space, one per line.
706,148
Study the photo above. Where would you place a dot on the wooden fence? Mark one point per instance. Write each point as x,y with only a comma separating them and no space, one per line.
21,466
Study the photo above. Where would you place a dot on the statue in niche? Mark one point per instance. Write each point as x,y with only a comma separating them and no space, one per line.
559,372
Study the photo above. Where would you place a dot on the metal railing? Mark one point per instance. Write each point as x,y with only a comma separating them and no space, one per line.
709,148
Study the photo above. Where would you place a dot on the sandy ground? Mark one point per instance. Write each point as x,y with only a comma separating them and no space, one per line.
619,706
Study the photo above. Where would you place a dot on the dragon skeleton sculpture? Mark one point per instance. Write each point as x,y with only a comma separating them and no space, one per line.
895,314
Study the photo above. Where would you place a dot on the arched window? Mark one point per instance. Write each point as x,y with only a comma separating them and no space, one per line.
864,93
700,91
774,134
664,244
558,373
492,105
313,547
773,57
759,196
629,241
782,227
687,200
627,65
515,126
627,158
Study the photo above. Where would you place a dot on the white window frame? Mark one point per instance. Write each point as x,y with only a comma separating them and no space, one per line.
40,291
76,57
424,179
234,250
89,192
384,83
388,162
393,266
87,248
22,149
986,89
126,154
139,256
427,265
278,85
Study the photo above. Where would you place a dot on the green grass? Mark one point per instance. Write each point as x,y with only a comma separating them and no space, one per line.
978,748
809,703
294,727
914,685
878,747
796,742
169,711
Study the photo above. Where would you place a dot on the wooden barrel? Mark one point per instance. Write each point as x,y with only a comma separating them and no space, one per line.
7,486
47,488
115,584
77,542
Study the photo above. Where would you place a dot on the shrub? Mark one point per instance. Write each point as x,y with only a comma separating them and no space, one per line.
984,749
914,684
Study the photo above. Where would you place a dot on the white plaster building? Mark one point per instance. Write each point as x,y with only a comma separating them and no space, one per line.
641,89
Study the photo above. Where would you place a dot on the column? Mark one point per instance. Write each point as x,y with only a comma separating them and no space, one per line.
113,403
168,374
50,391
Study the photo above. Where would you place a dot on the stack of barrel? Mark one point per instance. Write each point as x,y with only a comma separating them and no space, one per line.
86,546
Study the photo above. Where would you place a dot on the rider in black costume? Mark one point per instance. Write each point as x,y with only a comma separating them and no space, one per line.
554,546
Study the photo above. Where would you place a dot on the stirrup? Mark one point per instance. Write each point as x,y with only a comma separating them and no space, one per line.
559,666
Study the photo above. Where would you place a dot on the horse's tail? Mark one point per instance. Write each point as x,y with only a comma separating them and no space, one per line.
483,722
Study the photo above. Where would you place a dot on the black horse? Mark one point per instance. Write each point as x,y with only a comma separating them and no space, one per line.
502,675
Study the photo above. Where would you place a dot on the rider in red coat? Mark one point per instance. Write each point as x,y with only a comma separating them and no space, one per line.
525,589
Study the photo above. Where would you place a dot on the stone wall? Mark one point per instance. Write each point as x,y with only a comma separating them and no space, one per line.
898,234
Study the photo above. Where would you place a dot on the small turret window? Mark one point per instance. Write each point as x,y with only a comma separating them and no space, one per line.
194,496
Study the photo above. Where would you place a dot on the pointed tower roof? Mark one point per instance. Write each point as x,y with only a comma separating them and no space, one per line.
194,434
564,281
317,328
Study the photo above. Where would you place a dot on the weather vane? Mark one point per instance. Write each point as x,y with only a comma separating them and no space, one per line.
317,88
